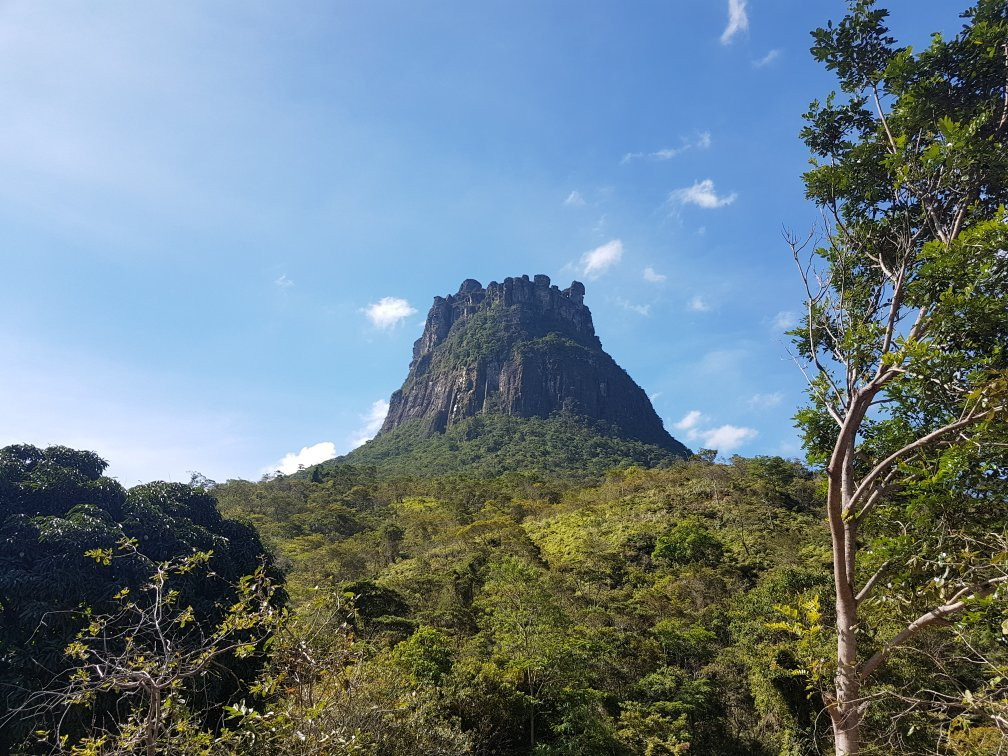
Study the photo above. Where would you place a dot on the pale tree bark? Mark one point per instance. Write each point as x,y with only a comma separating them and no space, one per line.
872,335
851,498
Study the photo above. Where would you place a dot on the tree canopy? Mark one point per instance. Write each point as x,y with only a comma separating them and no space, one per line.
57,513
905,333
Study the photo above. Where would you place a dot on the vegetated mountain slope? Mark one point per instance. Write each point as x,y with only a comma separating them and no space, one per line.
562,445
616,618
513,377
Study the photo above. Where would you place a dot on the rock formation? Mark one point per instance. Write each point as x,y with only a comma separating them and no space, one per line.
521,347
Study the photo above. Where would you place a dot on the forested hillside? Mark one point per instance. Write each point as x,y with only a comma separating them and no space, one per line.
671,610
563,445
629,617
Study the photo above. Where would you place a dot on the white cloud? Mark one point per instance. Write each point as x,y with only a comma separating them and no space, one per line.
372,422
653,276
698,304
574,199
765,401
702,142
597,261
701,194
738,20
308,456
727,437
784,320
283,283
633,307
387,312
723,438
767,59
690,420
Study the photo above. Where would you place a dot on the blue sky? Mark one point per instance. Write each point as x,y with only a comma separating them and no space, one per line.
222,224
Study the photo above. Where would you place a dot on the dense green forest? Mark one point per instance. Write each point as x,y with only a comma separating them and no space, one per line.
628,617
665,610
458,614
488,446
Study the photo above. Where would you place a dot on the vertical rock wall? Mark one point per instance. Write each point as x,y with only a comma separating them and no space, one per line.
521,347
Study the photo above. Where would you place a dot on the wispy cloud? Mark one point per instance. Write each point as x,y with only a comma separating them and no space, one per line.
640,309
308,456
283,283
388,312
574,199
724,438
597,261
653,276
699,304
372,422
690,420
767,59
784,320
738,21
701,142
701,194
765,401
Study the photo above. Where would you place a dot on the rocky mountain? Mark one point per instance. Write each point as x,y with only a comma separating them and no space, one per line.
521,348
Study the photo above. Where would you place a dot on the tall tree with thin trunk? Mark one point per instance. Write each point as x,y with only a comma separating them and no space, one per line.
905,335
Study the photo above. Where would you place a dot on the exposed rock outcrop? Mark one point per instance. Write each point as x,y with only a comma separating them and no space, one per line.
522,347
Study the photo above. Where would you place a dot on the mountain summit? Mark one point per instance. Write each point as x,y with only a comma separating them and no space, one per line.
522,348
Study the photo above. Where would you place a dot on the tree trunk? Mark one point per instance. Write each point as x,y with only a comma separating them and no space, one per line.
153,720
846,710
532,727
847,741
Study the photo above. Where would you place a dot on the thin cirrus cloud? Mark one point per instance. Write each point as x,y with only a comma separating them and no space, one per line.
701,194
767,59
738,21
653,276
640,309
702,142
784,320
699,304
724,438
766,401
574,199
597,261
372,422
283,283
388,312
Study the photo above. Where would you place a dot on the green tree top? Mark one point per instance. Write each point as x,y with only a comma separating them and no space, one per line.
905,328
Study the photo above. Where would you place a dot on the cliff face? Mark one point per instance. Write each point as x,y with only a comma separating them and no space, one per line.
521,347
